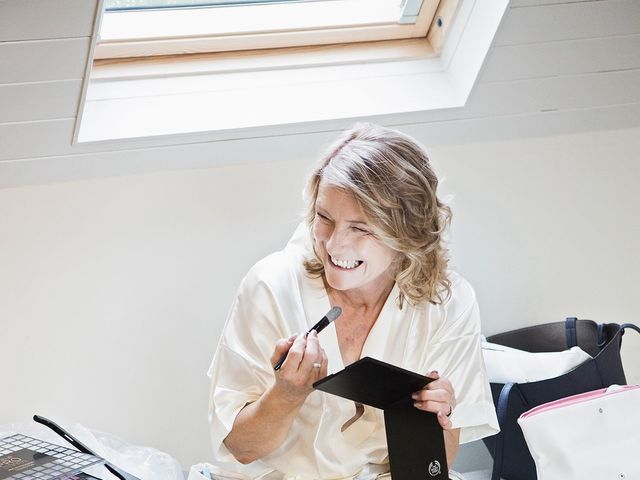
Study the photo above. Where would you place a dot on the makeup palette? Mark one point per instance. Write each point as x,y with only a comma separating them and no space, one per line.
26,458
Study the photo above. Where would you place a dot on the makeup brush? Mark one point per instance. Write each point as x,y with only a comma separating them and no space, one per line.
331,315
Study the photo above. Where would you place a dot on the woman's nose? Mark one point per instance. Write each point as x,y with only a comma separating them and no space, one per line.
337,239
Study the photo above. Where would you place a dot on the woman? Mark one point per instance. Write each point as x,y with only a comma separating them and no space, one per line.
373,245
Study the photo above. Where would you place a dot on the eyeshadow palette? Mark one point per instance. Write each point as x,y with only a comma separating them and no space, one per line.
26,458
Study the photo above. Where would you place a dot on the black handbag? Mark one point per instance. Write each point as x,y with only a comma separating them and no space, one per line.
511,457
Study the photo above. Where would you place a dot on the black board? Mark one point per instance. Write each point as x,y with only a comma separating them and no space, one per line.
414,438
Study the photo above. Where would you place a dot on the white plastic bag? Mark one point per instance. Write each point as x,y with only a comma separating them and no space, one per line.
196,473
593,435
145,463
507,365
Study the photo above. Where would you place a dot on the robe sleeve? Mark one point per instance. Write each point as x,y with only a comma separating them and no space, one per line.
456,354
241,369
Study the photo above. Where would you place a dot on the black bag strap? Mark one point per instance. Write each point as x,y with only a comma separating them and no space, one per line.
624,326
572,336
503,403
502,413
602,337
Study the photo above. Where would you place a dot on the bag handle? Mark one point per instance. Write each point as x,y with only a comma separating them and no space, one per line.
501,411
602,339
572,332
629,325
570,327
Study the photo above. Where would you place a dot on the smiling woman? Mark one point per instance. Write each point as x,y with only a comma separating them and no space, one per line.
355,259
395,190
372,244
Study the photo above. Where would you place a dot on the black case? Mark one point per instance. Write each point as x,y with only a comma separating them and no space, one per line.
414,437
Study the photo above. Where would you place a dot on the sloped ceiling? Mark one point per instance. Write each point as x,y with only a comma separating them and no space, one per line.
555,67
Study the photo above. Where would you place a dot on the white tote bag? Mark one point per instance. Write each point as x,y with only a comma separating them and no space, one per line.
590,436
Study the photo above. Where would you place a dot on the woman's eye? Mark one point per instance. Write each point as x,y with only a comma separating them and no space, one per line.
361,230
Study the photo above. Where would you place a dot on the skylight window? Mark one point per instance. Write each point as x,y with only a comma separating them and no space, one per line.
141,28
227,94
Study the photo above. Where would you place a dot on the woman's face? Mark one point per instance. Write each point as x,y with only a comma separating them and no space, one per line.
353,258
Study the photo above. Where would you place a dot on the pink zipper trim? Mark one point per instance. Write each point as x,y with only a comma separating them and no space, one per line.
581,397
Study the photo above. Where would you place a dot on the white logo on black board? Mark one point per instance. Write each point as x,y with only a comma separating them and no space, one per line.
434,468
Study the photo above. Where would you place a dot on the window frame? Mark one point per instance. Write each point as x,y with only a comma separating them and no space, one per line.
145,33
169,104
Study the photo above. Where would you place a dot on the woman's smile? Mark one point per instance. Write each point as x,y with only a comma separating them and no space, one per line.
345,264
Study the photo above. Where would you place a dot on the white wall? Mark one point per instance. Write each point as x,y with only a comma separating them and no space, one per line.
113,292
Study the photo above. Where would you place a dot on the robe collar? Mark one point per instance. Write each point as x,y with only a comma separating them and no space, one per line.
317,304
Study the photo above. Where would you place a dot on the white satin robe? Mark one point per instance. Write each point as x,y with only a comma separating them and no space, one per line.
277,299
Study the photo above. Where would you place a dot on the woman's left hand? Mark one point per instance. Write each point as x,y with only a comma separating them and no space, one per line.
437,397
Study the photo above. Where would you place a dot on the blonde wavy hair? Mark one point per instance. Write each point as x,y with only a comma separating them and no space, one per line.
389,175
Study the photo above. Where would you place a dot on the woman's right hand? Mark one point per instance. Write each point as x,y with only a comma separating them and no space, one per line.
262,426
300,370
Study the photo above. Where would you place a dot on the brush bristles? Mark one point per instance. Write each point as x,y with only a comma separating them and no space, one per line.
334,313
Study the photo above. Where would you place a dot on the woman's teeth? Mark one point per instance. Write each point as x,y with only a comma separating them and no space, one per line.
348,264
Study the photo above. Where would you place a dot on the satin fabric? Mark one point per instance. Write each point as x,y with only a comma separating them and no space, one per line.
278,298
